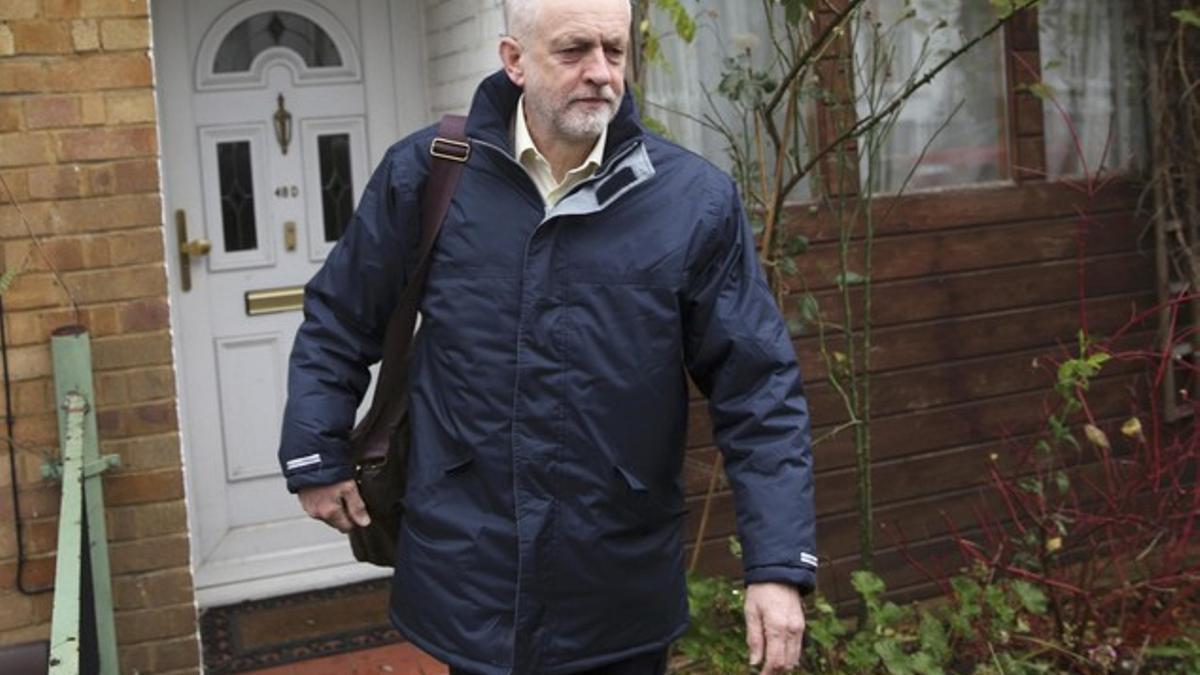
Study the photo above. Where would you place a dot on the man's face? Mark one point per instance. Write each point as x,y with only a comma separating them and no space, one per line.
573,67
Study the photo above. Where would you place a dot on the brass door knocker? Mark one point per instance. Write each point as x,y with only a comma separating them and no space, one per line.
283,126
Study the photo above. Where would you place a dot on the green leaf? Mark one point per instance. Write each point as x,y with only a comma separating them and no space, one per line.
796,245
810,310
788,265
1032,598
868,585
849,278
1063,482
656,126
1040,90
7,279
933,639
685,25
890,615
893,657
735,547
860,654
796,10
1188,17
924,664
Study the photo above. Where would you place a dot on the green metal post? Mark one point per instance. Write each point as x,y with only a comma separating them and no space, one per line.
72,353
64,627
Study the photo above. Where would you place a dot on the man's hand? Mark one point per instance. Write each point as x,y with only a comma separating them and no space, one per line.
339,505
774,626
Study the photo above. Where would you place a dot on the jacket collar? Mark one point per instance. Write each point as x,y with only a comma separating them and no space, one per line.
495,103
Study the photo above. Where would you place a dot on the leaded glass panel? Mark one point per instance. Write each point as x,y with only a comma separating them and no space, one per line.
337,189
237,196
275,29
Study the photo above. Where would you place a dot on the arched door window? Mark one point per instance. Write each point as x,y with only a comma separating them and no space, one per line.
306,37
275,29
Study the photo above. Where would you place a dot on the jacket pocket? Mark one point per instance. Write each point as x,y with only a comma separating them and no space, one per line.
652,508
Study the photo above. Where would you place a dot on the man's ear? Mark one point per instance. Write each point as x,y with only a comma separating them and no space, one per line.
511,52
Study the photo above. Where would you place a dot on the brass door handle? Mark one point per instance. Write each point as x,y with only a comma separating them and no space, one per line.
187,249
196,247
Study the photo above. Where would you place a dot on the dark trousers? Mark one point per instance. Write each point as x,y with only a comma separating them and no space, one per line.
654,663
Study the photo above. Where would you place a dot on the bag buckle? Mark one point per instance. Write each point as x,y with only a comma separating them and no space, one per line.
446,148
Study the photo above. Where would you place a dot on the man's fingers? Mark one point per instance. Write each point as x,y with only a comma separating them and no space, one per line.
754,633
776,661
328,503
794,644
356,507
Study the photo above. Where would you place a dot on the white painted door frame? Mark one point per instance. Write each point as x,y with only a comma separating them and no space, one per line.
388,32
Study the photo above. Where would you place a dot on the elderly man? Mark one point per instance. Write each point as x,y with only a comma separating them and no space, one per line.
584,269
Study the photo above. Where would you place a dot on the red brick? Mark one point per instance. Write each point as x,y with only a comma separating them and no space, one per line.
17,184
114,8
35,327
147,418
82,215
7,48
107,143
146,520
25,149
144,315
128,351
60,9
39,535
143,555
144,452
41,37
160,656
43,112
35,633
35,290
142,246
18,9
125,177
119,283
56,182
143,488
22,76
91,72
38,573
18,609
85,35
156,624
125,33
93,109
32,397
149,384
168,587
10,113
130,106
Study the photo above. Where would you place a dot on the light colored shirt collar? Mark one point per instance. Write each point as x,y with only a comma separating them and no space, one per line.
538,168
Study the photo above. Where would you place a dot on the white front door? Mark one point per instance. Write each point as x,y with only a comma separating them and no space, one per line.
267,146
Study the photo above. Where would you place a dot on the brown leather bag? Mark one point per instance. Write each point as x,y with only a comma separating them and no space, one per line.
379,443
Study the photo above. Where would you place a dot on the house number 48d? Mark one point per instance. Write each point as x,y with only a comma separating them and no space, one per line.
285,191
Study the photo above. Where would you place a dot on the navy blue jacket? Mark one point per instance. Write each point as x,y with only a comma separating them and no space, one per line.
543,520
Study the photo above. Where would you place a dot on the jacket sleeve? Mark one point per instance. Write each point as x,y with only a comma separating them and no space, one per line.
347,305
739,353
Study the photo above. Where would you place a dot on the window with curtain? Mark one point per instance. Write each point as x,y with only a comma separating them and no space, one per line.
958,120
1093,116
683,88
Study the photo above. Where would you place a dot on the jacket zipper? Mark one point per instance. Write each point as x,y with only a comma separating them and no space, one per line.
617,156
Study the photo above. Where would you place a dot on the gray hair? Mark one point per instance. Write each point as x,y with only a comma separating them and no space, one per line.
520,16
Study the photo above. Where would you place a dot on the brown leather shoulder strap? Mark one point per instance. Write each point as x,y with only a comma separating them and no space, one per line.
449,153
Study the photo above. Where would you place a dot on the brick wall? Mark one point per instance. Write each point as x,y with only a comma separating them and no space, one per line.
78,149
461,42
